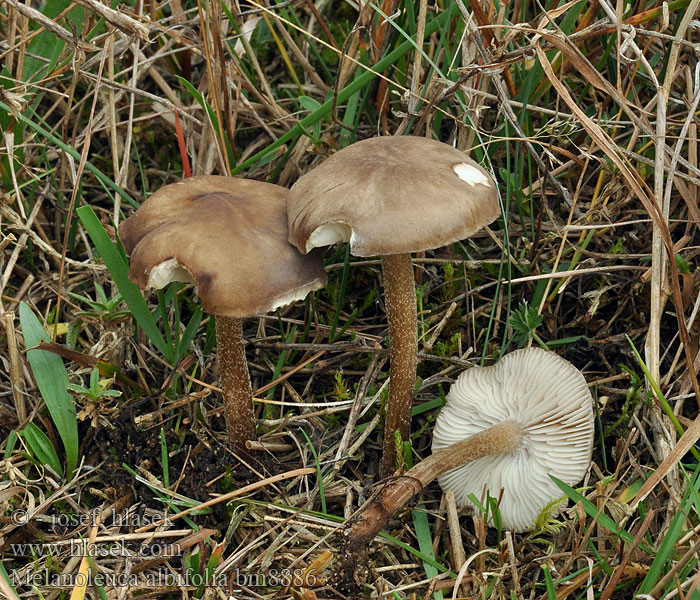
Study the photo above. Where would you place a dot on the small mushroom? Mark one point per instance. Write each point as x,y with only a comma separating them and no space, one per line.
390,196
547,398
504,428
229,236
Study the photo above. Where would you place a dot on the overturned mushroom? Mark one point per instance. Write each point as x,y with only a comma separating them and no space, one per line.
390,196
507,427
547,398
229,236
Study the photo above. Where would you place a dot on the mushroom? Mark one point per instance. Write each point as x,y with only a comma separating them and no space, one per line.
229,236
390,196
548,400
506,428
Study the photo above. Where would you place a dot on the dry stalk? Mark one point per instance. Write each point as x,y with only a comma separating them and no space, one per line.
76,186
239,492
49,25
16,381
458,555
123,175
117,19
371,375
299,55
417,57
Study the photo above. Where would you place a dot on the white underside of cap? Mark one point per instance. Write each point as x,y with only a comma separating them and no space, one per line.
167,272
470,174
294,296
329,234
550,399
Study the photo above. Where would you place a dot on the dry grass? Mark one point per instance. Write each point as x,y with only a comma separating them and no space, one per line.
586,113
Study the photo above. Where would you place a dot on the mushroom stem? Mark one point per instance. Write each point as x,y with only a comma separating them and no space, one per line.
400,297
376,512
235,383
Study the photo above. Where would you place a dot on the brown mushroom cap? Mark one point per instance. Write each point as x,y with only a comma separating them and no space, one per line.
391,195
229,236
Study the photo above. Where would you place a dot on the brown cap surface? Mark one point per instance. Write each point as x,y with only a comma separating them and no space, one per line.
549,398
229,236
391,195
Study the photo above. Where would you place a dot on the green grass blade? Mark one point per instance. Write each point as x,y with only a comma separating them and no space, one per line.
667,549
409,39
341,295
189,333
282,359
6,588
319,475
419,409
549,584
119,270
212,115
350,120
163,311
97,584
425,544
41,447
659,394
164,459
47,45
664,554
10,444
52,379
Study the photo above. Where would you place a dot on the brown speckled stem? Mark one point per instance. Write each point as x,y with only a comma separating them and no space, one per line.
235,383
371,518
400,297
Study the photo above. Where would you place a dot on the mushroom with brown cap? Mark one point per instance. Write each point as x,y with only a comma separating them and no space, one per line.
390,196
229,237
506,428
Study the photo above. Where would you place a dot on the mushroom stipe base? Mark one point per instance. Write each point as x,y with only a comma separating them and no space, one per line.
235,383
369,520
